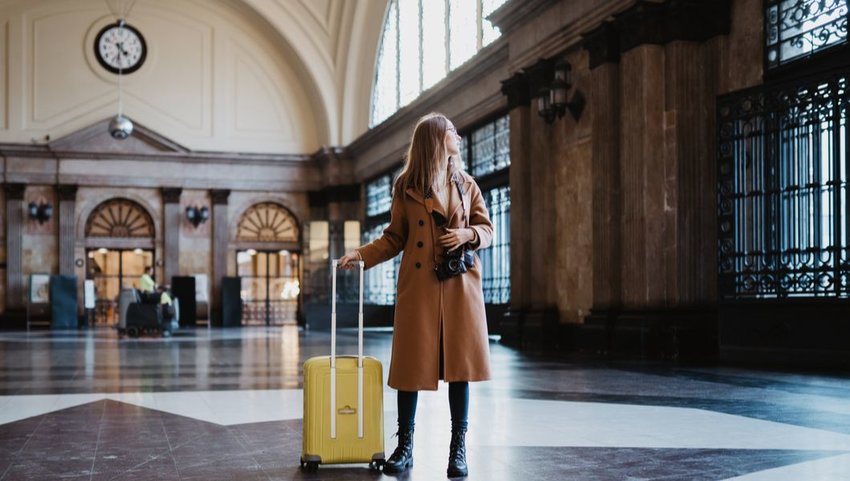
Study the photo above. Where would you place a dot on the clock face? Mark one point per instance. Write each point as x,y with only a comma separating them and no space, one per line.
120,49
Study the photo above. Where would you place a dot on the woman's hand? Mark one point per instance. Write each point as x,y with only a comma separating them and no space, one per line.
348,260
454,238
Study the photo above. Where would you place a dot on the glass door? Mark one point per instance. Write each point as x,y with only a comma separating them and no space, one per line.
112,270
271,286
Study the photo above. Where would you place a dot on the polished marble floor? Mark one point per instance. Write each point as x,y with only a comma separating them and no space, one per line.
226,404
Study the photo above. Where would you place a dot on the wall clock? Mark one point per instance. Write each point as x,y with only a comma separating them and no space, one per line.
120,48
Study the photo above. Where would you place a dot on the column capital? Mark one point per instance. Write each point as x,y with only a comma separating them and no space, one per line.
171,195
219,196
67,192
602,45
657,23
15,191
516,89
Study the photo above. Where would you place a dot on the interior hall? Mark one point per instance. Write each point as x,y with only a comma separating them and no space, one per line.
655,194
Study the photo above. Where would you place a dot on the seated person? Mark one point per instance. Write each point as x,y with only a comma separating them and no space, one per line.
147,286
169,322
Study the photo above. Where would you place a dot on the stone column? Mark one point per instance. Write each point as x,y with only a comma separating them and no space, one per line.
67,228
605,108
219,246
14,254
516,88
644,179
171,232
690,144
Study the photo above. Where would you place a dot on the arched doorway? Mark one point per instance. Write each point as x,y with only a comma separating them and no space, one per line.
119,245
268,261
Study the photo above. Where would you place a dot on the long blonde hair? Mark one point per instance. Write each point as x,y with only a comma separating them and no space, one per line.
427,149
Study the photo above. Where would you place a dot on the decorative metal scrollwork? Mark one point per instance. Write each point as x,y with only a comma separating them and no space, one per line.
800,28
783,204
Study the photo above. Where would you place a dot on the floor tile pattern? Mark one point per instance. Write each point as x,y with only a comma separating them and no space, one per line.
225,404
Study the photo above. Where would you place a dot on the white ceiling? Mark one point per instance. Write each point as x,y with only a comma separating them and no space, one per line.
335,45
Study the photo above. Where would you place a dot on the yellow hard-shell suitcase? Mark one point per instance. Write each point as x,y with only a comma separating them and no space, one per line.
343,403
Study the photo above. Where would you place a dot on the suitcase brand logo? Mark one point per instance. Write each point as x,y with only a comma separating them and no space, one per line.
347,410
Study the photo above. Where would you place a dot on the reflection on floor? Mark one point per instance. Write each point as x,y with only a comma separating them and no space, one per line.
226,405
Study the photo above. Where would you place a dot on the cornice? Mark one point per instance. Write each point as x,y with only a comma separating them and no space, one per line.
514,13
568,37
656,23
46,152
276,184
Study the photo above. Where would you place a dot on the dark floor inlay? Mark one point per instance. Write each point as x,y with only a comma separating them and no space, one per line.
110,440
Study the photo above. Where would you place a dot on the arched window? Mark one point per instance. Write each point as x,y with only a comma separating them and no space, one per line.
267,222
422,41
119,218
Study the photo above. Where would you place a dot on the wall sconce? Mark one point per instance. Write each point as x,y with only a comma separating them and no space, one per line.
41,211
197,215
552,101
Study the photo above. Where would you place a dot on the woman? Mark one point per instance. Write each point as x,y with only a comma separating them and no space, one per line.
440,328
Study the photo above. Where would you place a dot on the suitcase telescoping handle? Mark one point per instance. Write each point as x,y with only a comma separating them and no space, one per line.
333,413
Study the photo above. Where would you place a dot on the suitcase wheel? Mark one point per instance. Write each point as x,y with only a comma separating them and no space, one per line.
133,331
311,466
377,464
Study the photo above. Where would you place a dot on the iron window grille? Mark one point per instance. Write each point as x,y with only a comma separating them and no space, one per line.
380,281
496,259
797,29
488,150
783,205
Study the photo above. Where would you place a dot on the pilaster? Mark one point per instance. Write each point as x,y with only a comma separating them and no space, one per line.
14,248
171,231
219,245
67,222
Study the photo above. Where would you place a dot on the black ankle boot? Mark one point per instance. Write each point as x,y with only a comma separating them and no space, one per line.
402,457
457,454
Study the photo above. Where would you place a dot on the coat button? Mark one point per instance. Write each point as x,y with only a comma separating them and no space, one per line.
421,222
418,265
419,244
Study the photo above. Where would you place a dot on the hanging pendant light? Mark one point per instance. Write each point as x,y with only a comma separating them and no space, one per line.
120,127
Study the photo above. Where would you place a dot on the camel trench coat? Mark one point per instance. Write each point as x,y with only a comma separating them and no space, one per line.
425,307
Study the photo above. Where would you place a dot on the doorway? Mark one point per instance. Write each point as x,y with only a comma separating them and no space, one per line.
271,286
113,270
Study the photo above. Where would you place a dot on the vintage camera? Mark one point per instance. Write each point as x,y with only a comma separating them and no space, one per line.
454,263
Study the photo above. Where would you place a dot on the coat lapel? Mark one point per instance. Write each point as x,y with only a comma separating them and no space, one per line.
429,203
456,203
415,195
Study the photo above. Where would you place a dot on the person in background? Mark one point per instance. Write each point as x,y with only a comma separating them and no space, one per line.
146,283
438,216
168,314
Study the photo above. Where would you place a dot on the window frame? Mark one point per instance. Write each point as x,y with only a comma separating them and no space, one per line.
394,9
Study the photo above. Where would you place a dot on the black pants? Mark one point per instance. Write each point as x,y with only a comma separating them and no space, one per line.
458,404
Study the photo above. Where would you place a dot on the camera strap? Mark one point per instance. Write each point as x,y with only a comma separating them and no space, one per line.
456,180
